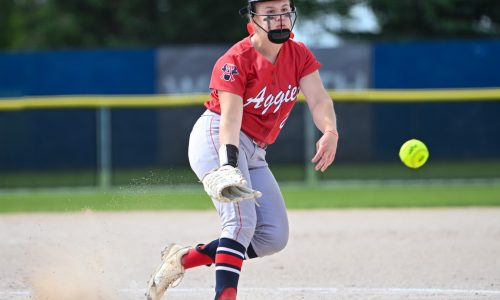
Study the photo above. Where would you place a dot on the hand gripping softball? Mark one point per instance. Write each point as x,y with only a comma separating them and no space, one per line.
227,184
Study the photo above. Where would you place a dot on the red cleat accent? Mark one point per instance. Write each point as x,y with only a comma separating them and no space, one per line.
228,294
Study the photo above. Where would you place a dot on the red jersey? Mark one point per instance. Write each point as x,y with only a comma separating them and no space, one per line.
269,91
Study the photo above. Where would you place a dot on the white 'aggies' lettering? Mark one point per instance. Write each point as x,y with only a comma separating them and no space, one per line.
269,100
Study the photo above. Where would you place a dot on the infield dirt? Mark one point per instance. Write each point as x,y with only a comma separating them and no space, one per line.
332,254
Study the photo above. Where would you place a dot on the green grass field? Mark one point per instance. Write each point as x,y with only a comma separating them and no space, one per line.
283,173
155,198
148,189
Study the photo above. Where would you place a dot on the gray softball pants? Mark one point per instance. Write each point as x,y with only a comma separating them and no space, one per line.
265,227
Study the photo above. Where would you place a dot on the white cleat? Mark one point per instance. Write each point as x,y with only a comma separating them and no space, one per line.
169,273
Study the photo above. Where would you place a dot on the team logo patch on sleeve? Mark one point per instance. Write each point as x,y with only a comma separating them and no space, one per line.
228,72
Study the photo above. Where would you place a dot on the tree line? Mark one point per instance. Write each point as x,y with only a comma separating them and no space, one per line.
56,24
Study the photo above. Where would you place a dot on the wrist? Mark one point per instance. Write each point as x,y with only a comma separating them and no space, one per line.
228,155
331,131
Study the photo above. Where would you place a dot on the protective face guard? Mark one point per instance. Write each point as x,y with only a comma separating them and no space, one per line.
277,36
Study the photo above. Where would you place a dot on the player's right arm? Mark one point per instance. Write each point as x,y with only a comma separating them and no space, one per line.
227,184
231,106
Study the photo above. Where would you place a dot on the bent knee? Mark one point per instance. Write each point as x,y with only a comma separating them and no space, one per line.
270,244
280,243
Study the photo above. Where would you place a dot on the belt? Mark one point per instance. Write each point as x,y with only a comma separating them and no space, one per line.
260,144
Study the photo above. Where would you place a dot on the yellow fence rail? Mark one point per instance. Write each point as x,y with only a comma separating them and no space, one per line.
96,101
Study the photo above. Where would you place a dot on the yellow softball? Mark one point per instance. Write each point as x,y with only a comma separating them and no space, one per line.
414,153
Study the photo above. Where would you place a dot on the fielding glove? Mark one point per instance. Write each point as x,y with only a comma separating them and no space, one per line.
227,184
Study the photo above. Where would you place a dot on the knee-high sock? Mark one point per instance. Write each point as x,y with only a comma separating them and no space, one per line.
228,262
205,255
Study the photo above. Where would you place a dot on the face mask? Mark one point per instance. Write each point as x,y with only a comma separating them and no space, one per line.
278,36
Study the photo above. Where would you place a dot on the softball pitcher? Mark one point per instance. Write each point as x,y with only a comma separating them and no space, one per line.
254,86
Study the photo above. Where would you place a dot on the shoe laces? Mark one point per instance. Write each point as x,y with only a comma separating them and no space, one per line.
177,281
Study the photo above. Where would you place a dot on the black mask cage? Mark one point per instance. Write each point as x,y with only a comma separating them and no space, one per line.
277,36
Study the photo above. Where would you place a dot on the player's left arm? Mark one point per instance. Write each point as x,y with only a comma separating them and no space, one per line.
321,107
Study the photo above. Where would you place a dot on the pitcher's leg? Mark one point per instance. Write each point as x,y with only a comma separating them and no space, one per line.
238,220
271,232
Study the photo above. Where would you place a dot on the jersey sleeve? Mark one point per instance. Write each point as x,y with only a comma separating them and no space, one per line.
310,63
228,75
